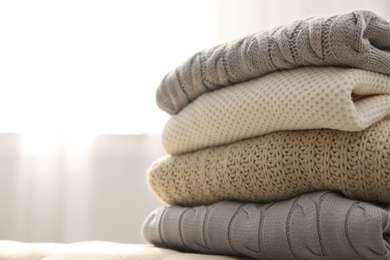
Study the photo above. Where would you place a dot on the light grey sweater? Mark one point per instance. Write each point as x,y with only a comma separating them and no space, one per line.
358,39
322,225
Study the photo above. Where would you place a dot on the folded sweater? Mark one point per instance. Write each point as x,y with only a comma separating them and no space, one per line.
279,166
359,39
322,225
304,98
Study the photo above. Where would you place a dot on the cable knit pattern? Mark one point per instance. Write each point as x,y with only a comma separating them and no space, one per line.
279,166
319,225
359,39
304,98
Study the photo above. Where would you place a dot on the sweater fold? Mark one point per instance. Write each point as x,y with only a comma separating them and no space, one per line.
359,39
279,166
321,225
337,98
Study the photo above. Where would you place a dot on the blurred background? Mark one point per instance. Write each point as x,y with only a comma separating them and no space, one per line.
79,125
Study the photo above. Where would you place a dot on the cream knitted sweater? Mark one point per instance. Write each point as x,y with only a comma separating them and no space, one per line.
279,166
322,225
358,39
303,98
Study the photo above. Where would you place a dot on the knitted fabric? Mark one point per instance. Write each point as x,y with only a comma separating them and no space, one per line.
319,225
304,98
279,166
358,39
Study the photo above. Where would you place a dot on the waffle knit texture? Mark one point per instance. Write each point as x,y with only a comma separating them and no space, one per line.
359,39
321,225
279,166
303,98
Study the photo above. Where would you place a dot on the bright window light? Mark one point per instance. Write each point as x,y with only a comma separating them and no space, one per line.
93,66
47,143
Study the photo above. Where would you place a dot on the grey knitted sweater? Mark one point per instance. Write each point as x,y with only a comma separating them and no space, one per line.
358,39
322,225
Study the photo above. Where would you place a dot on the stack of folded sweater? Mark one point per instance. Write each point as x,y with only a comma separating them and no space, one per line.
279,144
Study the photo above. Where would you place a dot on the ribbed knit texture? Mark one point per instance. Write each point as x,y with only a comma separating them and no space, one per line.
358,39
304,98
320,225
279,166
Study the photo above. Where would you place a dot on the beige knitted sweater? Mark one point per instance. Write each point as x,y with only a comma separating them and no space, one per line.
303,98
279,166
358,39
